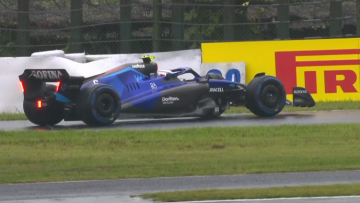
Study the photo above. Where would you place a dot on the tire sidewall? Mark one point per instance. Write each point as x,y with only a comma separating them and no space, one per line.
104,89
259,104
47,116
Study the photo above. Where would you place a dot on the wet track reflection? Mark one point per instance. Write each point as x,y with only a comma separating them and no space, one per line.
171,123
300,118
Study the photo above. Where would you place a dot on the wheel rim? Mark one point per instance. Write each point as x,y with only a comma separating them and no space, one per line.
271,96
105,105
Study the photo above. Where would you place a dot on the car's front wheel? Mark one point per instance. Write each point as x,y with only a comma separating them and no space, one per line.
265,96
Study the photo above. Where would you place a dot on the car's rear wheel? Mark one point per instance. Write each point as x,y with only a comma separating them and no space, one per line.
98,105
265,96
49,115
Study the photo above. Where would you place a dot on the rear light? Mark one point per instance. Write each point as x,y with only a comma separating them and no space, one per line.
58,86
22,86
39,104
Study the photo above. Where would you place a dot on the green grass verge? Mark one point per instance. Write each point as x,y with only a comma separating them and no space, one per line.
12,116
320,106
30,156
257,193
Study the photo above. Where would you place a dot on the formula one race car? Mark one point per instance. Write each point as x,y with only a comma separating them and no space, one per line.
143,90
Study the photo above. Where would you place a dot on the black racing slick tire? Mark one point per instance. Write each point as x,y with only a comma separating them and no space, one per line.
45,116
265,96
98,105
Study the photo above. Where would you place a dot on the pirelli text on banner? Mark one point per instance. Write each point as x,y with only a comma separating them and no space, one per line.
334,73
328,68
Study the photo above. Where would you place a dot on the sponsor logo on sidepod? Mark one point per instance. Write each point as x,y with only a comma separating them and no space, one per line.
169,100
216,89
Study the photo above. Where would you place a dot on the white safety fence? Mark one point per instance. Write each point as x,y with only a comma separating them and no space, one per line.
79,64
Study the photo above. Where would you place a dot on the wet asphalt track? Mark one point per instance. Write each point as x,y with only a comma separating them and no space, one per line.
225,120
119,190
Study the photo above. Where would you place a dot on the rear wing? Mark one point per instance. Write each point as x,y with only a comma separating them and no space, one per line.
45,75
33,82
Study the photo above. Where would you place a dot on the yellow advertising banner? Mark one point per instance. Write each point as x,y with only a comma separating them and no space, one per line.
328,68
